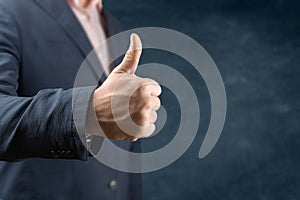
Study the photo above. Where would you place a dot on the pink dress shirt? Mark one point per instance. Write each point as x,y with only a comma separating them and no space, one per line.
92,22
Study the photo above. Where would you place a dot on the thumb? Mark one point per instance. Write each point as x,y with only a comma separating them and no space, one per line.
132,56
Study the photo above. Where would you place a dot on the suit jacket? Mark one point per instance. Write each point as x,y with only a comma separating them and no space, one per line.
42,46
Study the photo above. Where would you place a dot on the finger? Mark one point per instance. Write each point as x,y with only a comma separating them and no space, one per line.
155,102
153,117
130,138
152,86
149,130
132,56
155,90
149,81
133,139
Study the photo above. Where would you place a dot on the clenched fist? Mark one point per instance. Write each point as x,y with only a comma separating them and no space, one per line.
126,104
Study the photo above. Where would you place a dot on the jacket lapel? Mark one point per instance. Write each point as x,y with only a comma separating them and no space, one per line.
60,11
113,27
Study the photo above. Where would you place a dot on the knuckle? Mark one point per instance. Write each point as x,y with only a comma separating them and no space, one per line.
150,81
153,86
142,90
159,89
150,130
132,139
158,102
141,119
154,116
147,105
129,55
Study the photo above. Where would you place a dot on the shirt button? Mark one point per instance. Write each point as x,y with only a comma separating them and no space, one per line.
84,17
113,185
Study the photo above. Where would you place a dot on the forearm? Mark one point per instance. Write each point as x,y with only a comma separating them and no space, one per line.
42,126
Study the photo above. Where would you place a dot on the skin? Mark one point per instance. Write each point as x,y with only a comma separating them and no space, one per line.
136,99
84,3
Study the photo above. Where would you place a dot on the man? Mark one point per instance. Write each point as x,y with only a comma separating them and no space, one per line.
42,45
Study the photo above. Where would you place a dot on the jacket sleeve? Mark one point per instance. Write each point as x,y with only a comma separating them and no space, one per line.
41,126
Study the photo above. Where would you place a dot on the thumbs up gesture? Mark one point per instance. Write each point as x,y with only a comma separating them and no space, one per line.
125,98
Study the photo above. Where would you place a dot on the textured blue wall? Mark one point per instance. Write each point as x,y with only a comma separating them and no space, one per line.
256,45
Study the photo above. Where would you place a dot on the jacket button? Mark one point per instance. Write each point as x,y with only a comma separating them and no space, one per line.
63,153
70,154
54,154
113,185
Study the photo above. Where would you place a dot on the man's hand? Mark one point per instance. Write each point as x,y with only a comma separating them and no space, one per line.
124,97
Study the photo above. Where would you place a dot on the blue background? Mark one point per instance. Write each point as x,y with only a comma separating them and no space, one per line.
256,45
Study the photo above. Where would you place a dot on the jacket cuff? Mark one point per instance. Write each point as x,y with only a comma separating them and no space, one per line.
80,104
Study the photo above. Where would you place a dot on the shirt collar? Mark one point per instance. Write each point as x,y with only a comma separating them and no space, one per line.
91,4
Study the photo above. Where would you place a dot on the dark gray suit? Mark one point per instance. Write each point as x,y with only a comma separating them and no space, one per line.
42,46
